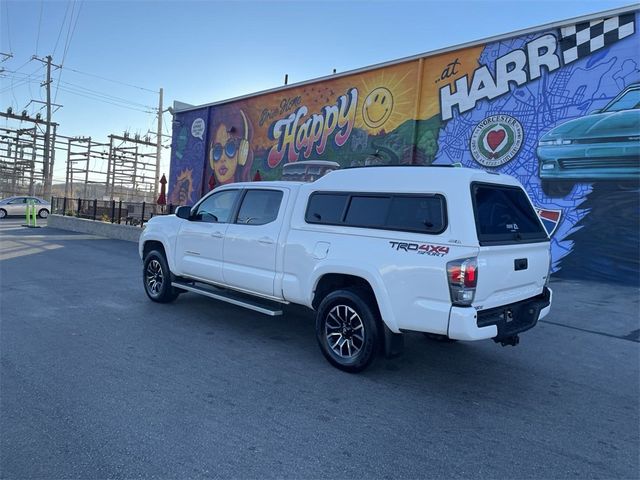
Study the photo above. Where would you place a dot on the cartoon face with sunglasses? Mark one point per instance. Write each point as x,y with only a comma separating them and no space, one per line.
229,154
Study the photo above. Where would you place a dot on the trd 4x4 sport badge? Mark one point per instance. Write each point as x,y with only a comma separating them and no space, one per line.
421,248
496,140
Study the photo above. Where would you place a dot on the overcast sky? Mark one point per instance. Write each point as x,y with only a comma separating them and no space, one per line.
205,51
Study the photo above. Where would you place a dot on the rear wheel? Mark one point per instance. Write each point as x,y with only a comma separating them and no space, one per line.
157,278
44,213
347,330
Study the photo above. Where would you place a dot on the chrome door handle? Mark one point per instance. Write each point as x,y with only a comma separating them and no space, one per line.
266,241
217,234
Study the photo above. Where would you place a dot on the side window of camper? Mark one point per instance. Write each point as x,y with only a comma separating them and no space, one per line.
386,211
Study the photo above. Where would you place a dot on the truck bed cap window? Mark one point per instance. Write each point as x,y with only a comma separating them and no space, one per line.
504,215
421,213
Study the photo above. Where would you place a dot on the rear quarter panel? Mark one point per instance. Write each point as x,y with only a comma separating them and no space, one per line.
407,271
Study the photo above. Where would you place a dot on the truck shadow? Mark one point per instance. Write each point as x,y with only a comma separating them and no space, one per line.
458,369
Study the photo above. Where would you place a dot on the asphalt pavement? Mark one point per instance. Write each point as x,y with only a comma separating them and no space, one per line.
96,381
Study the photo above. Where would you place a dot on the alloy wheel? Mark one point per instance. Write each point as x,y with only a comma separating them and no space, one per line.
344,331
154,277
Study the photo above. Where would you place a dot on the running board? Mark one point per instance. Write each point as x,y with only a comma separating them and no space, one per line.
229,297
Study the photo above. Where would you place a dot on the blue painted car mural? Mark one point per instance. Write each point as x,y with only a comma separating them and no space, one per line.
604,145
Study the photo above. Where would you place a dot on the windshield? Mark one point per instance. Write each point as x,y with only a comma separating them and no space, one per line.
628,101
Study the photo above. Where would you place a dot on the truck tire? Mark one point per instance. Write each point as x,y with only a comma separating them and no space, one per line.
156,277
347,330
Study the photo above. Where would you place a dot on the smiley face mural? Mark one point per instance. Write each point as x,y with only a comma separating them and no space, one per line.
498,106
377,107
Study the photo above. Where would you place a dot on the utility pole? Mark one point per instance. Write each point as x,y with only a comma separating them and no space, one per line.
48,166
158,149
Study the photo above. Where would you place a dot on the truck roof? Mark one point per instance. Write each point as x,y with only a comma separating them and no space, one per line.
405,178
259,184
391,178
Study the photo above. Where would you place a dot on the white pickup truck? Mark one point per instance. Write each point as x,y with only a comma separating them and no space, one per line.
455,253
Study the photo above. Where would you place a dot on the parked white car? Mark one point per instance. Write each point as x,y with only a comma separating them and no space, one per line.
456,253
18,206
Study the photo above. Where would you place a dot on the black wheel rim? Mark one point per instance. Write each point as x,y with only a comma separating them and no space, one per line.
344,331
154,277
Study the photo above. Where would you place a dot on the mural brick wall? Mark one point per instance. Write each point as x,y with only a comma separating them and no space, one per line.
558,109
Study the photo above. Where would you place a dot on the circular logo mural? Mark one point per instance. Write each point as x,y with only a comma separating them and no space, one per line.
496,140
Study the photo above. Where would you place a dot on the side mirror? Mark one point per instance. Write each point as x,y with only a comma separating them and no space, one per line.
184,212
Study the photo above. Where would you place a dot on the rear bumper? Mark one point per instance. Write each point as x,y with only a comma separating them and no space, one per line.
500,322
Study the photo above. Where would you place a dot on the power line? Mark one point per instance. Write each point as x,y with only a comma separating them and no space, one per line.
88,91
20,83
110,80
23,65
6,6
21,79
20,75
13,79
64,20
71,31
39,24
74,92
70,34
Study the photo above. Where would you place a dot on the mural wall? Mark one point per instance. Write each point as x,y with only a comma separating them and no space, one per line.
557,109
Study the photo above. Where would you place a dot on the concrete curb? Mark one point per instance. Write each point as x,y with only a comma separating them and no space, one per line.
103,229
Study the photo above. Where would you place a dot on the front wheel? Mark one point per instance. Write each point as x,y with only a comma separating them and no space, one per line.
3,213
157,278
347,330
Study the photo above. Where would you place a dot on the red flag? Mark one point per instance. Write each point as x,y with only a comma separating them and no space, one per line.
257,177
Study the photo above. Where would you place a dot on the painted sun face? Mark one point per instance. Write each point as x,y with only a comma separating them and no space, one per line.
377,107
223,156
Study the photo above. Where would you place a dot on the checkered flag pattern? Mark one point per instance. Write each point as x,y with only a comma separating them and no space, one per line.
582,39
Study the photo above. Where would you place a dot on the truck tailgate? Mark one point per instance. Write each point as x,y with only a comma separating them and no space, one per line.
509,273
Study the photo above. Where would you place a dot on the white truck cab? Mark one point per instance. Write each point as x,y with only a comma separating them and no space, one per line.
455,253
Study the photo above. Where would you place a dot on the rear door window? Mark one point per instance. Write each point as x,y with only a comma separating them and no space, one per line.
504,215
259,207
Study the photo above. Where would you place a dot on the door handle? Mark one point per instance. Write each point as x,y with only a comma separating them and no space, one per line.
217,234
266,241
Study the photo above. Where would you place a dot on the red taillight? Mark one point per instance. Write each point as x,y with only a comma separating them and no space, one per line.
455,273
463,278
470,277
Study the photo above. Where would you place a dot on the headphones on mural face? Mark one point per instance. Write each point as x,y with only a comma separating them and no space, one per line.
233,147
243,149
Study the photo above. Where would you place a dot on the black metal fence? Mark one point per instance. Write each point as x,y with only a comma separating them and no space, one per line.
112,211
